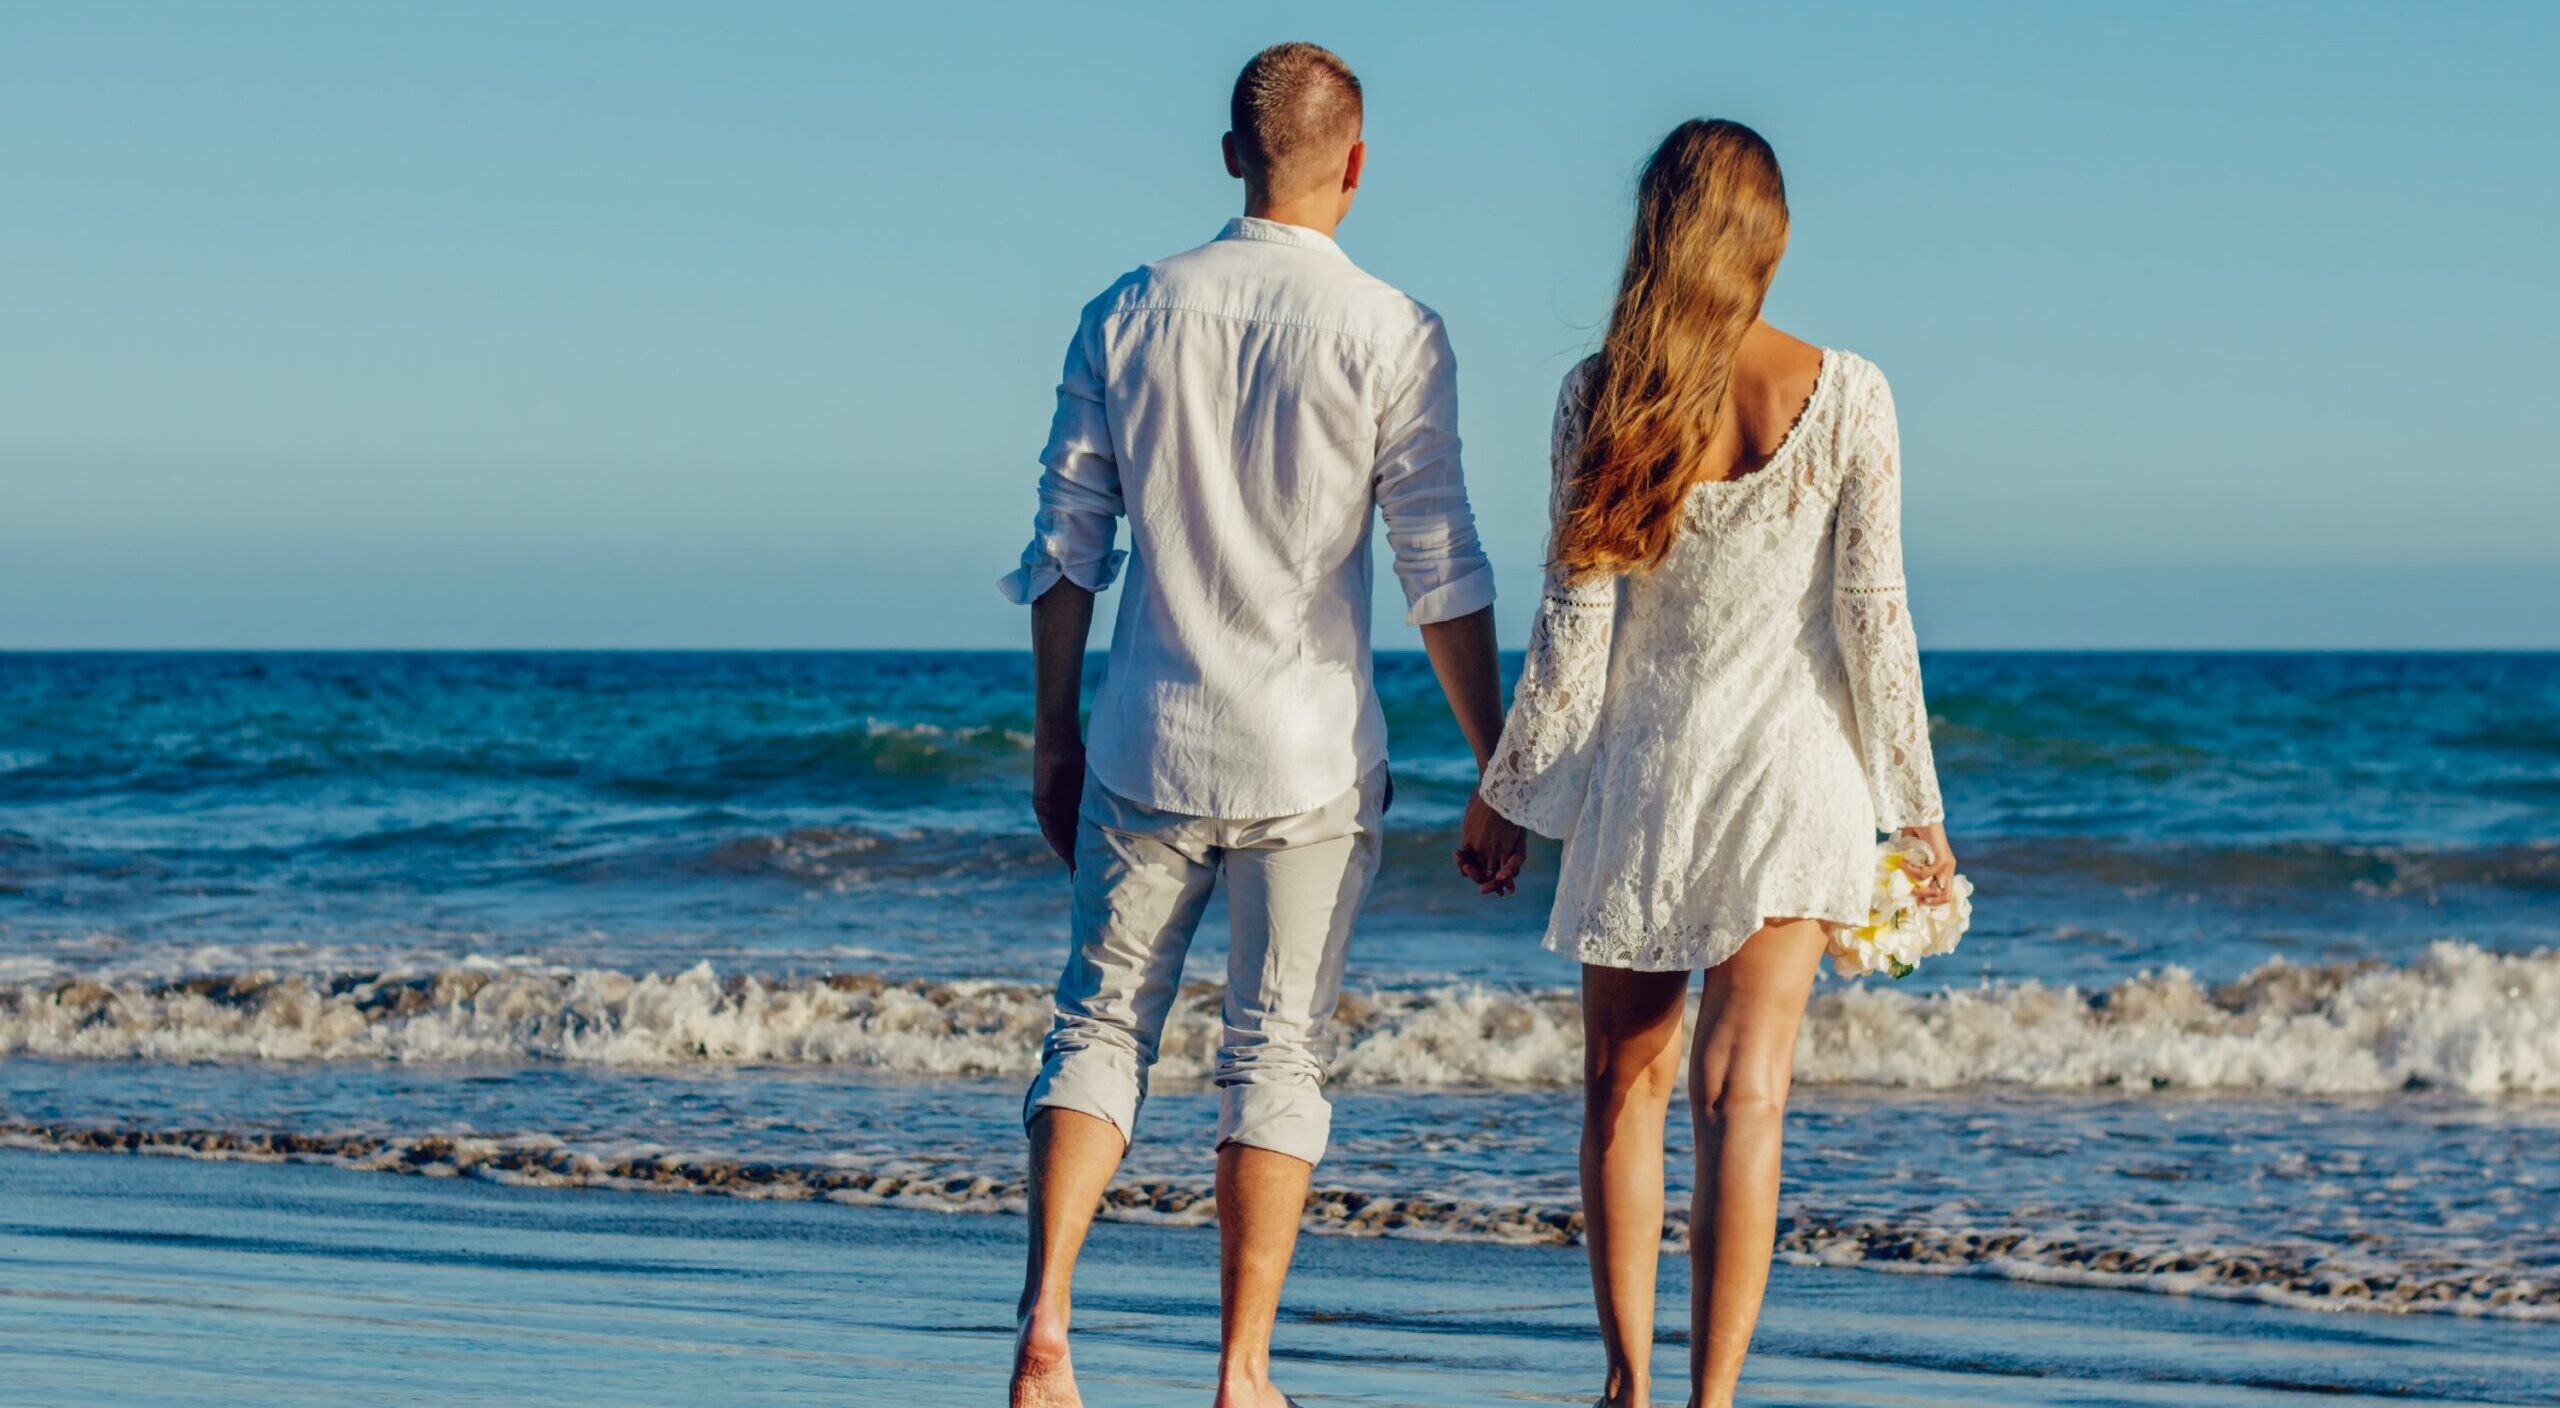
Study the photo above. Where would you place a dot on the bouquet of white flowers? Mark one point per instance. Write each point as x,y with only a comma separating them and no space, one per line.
1900,930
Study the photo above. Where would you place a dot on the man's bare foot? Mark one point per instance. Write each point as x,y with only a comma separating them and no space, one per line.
1251,1393
1043,1377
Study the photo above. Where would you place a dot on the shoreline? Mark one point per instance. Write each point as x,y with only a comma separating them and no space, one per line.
1830,1243
286,1284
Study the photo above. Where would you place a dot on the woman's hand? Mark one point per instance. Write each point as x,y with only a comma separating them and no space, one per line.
1491,848
1930,884
1057,793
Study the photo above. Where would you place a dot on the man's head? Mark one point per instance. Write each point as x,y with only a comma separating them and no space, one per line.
1296,134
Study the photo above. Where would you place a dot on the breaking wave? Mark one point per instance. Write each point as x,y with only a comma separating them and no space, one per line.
2277,1271
2457,1018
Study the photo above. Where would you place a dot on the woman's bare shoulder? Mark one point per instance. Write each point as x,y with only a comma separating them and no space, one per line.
1774,380
1777,341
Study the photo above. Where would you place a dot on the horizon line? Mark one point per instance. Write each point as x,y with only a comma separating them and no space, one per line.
1104,649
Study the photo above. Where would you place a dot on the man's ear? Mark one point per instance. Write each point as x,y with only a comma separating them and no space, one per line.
1358,163
1227,148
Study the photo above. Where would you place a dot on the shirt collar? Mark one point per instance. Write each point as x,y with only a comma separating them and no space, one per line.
1247,227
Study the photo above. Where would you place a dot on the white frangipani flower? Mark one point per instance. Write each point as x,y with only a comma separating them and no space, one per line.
1900,930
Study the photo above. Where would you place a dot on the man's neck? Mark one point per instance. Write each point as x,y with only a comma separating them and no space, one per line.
1320,216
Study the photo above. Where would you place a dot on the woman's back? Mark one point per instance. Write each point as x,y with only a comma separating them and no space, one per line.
1774,374
1750,568
1721,736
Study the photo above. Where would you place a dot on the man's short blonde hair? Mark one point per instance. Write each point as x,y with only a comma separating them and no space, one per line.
1296,106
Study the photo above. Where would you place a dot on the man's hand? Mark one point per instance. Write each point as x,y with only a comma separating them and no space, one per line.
1057,794
1491,848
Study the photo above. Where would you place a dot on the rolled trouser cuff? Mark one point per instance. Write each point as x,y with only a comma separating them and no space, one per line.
1293,1119
1090,1080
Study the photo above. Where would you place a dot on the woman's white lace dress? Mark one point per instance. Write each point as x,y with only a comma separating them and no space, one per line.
1719,740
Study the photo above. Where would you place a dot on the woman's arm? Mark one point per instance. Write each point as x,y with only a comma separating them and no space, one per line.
1871,616
1542,766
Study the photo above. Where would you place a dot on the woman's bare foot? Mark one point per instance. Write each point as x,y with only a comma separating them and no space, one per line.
1043,1377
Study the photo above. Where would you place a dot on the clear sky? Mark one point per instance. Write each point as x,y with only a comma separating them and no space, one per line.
626,324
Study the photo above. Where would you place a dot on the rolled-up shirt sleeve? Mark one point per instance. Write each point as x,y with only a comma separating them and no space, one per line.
1080,505
1422,493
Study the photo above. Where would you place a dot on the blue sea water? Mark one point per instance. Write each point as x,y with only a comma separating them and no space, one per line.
804,812
2260,975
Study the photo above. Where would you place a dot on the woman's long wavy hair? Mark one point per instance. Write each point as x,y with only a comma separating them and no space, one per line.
1711,221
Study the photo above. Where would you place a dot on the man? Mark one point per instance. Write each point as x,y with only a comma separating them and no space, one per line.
1244,405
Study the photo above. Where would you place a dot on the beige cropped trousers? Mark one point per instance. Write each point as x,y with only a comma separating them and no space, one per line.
1143,878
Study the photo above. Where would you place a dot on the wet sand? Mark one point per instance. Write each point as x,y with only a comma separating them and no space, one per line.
161,1280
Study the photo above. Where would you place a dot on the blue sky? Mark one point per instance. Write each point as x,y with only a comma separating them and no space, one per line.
633,325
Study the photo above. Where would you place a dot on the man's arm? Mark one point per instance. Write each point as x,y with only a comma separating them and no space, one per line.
1061,624
1448,586
1069,559
1462,655
1491,847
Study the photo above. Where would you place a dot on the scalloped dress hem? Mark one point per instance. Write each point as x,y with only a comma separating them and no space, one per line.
1654,955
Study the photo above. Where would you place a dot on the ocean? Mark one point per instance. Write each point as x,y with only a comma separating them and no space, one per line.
2261,1003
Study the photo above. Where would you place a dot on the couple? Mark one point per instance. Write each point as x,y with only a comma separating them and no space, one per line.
1719,710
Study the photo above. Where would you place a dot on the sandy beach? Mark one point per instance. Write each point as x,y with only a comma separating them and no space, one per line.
174,1281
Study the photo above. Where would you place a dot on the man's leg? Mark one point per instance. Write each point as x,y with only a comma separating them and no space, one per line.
1073,1156
1294,885
1142,879
1261,1197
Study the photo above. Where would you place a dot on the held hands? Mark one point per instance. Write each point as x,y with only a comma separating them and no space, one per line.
1930,885
1491,849
1057,793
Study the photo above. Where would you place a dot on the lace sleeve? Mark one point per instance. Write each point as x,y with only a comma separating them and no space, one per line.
1543,763
1871,614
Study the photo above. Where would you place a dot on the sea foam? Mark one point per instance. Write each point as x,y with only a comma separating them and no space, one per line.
2458,1017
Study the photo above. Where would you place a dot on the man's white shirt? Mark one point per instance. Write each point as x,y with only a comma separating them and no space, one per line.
1245,405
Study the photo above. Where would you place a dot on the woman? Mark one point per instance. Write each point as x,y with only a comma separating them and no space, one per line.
1719,712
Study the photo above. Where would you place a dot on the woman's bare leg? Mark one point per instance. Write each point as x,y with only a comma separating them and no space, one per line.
1631,1060
1740,1065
